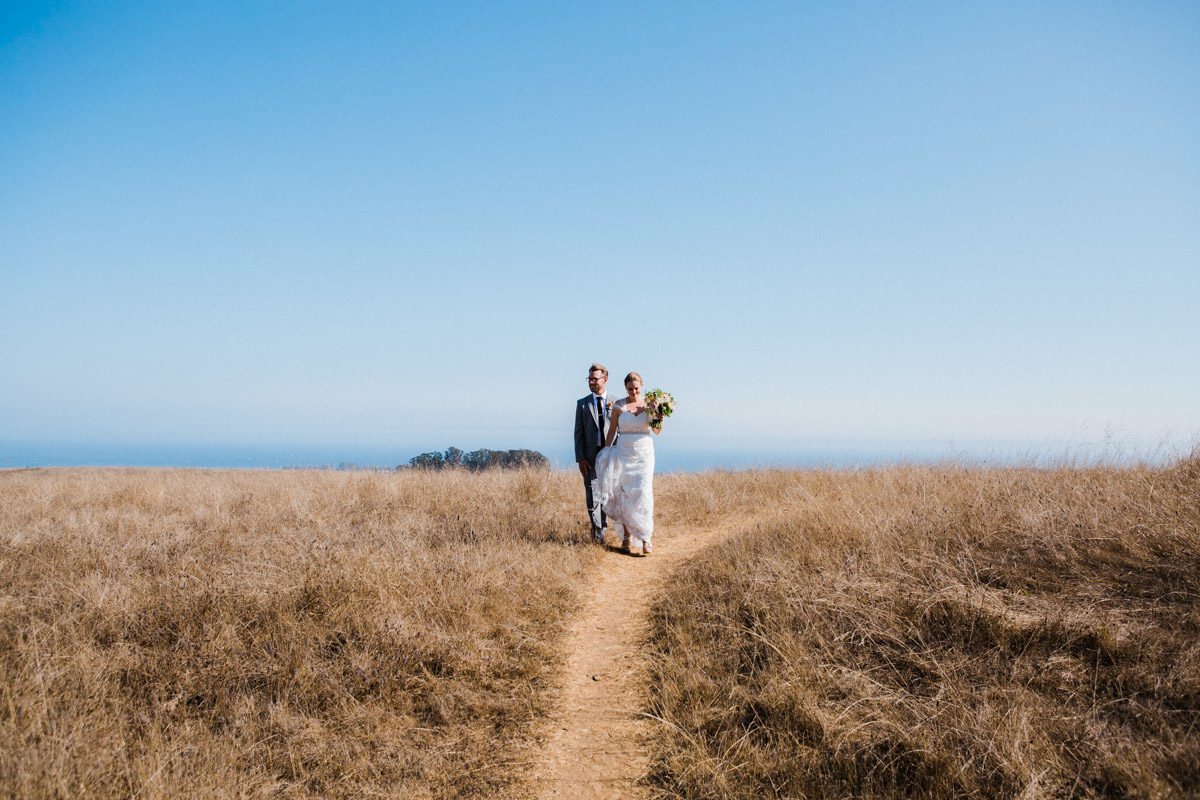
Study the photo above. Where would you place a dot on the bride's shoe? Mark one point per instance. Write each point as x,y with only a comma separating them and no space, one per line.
645,548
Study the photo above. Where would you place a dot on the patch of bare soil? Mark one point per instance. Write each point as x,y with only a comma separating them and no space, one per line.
597,740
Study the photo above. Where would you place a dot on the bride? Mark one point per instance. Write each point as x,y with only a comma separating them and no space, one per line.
625,473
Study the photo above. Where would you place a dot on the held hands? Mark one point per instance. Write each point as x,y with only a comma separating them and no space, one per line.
583,467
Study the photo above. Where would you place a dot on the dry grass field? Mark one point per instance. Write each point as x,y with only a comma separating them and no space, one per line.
180,633
937,633
915,632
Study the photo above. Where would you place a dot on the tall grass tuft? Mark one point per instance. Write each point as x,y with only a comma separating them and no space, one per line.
168,633
939,632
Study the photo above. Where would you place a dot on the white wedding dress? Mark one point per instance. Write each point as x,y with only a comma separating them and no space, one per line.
625,479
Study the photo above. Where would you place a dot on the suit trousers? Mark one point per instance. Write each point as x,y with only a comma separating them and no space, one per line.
589,485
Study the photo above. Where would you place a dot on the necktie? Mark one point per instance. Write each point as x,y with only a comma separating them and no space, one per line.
600,419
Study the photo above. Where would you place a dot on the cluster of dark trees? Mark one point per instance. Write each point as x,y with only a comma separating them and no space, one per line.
478,460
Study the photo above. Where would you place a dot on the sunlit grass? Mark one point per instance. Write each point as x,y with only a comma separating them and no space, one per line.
171,633
916,631
940,632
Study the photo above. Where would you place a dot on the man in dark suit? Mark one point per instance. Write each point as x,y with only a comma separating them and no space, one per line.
591,420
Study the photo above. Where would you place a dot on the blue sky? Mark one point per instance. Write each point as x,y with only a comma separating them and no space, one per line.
419,223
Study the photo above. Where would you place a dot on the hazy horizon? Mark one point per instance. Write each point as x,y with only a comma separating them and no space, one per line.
814,453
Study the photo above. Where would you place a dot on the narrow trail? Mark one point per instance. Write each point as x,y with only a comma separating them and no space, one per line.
597,741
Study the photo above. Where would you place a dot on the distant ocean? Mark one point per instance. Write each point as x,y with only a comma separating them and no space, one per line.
804,455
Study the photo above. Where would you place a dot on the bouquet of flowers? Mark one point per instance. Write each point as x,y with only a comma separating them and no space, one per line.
659,406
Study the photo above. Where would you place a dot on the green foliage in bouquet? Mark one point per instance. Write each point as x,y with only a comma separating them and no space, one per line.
659,406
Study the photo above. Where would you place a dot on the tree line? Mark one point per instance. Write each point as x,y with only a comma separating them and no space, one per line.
478,460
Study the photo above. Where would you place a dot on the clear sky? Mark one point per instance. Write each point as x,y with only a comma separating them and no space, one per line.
418,223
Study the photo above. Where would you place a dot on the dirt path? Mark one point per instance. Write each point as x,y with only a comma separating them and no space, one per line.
596,746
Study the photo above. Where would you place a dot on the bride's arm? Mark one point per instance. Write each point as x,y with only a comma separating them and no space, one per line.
612,425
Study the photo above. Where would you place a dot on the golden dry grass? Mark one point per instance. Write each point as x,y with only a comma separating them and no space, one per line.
924,632
175,633
938,632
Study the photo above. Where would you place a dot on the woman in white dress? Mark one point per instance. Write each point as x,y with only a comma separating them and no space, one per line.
625,473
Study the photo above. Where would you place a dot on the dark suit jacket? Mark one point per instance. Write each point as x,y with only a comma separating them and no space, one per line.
586,430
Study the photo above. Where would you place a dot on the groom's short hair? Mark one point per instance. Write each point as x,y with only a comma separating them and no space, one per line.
598,368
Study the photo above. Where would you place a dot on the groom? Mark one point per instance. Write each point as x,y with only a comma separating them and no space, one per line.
591,419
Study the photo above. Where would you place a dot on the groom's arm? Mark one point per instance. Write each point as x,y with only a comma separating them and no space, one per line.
581,440
580,453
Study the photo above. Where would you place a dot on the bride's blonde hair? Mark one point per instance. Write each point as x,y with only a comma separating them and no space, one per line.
633,376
